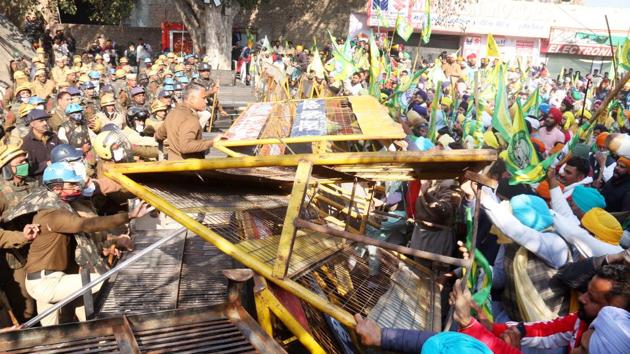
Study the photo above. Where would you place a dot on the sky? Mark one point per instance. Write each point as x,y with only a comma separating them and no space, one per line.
607,3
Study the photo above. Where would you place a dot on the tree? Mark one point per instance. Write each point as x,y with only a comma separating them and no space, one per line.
210,26
109,12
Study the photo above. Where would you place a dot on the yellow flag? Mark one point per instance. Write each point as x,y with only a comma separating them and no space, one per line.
492,50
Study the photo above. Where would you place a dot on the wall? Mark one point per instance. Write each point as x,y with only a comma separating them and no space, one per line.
301,20
295,20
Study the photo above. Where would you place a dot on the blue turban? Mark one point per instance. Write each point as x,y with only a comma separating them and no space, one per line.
421,110
612,331
420,143
531,211
587,198
544,107
422,95
454,342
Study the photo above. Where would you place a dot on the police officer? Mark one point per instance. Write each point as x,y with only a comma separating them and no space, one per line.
75,130
138,97
90,100
15,186
204,70
48,279
139,134
158,114
109,114
59,112
38,142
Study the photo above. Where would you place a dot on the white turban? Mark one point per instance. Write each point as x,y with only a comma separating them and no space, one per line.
612,332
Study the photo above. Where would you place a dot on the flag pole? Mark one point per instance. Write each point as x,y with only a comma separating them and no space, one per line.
612,50
415,60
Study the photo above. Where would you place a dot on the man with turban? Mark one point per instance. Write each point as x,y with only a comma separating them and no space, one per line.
617,190
582,221
608,334
550,133
602,163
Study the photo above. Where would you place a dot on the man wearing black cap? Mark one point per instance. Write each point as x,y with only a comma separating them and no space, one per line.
138,97
204,78
38,142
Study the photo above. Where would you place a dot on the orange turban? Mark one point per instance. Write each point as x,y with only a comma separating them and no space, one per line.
601,139
539,144
556,148
544,192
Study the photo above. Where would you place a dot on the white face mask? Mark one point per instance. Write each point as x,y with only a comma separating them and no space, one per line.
139,127
79,169
118,154
89,190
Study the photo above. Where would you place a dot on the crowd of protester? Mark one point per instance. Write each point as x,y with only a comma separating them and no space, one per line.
559,269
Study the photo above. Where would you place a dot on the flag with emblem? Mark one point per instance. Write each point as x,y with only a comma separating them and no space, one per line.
520,154
343,65
403,28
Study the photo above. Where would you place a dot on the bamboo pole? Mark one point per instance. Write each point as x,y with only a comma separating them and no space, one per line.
612,94
612,49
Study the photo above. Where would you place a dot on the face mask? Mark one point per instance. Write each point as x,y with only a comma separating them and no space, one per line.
89,190
70,196
24,99
118,154
79,169
21,170
139,127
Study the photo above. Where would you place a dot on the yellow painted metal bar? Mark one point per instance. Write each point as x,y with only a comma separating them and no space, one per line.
232,250
287,237
308,139
263,313
469,157
226,151
269,300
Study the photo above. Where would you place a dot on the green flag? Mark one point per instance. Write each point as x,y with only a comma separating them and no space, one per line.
398,97
344,66
520,152
426,29
375,69
404,28
480,265
532,103
382,21
624,55
501,120
432,134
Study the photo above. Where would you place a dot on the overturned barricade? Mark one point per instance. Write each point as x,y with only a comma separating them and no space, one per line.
293,202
